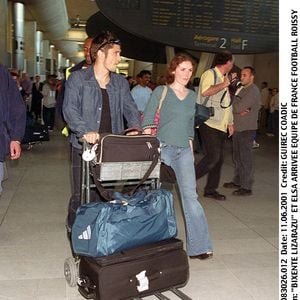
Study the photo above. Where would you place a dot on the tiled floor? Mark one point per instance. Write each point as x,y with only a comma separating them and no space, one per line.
33,244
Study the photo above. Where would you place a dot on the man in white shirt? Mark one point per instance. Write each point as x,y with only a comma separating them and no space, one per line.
141,93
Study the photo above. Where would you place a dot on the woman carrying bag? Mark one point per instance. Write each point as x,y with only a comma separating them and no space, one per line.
176,133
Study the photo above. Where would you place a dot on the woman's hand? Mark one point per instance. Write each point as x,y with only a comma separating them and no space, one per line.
147,131
191,142
132,132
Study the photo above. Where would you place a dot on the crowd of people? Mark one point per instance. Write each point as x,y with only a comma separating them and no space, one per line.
269,113
40,97
93,99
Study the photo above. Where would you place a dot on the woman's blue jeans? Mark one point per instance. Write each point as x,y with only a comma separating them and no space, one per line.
1,174
181,161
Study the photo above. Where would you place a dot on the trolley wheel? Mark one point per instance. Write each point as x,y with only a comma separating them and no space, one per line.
71,271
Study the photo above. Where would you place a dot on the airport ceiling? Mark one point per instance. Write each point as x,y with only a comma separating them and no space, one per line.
56,19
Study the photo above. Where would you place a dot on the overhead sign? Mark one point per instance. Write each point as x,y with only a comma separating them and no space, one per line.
242,27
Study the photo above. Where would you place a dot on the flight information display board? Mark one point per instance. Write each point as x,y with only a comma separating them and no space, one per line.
242,27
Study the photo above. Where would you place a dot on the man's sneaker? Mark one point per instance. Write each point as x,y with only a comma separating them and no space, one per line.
270,134
242,192
255,145
215,195
231,185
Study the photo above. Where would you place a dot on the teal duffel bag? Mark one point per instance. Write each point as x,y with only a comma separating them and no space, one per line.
104,228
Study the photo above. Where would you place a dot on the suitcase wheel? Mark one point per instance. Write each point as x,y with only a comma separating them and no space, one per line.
71,271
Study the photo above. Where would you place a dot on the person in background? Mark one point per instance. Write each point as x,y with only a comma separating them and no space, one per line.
246,106
26,85
255,144
37,96
49,101
263,113
273,118
12,120
87,58
61,93
141,93
162,80
214,84
196,82
96,100
60,123
176,133
16,77
77,21
131,82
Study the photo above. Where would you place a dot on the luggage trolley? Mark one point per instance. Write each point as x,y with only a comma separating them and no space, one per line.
111,175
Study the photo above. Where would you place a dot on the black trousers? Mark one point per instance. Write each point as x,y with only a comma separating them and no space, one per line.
213,142
49,116
76,180
243,158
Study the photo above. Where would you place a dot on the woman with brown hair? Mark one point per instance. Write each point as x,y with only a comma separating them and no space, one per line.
176,133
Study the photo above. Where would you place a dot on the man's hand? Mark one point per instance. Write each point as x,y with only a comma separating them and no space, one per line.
132,132
91,137
226,82
230,130
15,149
245,112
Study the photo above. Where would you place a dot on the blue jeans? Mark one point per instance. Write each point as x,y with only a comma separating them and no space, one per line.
1,175
181,161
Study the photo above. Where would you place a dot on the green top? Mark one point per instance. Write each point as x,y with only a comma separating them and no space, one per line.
176,124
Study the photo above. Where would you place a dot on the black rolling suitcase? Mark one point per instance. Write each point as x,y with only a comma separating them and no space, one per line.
135,273
34,132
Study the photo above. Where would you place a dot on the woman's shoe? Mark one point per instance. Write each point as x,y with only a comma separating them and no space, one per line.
203,256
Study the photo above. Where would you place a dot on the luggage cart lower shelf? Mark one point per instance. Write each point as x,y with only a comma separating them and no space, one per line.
158,295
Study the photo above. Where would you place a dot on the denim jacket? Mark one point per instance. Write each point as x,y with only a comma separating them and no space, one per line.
83,103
